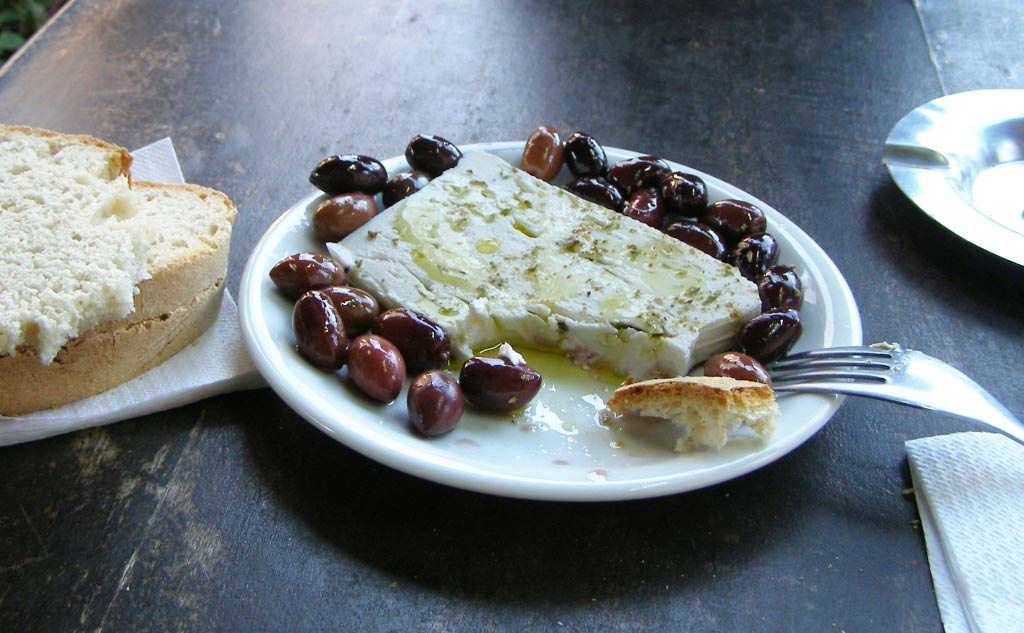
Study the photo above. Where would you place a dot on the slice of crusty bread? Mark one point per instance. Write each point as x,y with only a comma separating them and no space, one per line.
188,229
183,233
71,255
708,408
103,358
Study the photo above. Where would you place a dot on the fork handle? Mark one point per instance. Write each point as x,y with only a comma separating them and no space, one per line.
997,416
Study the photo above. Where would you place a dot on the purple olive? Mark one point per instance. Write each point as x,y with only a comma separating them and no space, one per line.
402,185
700,236
645,206
434,402
319,331
630,174
337,216
737,365
376,367
734,219
300,272
424,344
357,308
498,384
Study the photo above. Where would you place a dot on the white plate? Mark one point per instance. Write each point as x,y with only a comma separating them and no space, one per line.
555,449
960,158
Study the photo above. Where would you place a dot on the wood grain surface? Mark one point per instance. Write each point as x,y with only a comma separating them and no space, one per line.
234,514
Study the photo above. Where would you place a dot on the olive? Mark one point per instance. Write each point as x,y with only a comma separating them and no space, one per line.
737,365
319,331
423,343
543,153
597,190
498,384
357,308
684,194
339,215
584,156
434,402
300,272
734,219
402,185
347,173
630,174
376,366
645,205
432,154
780,289
700,236
755,254
770,335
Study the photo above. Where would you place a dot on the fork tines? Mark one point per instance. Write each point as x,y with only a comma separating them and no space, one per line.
843,363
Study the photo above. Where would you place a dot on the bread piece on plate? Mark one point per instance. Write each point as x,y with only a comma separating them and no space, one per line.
71,255
708,408
187,232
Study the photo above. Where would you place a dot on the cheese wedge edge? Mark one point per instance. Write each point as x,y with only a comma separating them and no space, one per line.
493,254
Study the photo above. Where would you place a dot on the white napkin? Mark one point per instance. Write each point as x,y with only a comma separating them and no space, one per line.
215,363
970,494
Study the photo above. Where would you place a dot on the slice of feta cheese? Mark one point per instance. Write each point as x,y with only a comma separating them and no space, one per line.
493,254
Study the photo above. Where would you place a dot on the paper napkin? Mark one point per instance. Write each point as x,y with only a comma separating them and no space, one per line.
215,363
970,494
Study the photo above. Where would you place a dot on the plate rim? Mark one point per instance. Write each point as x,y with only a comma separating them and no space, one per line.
458,474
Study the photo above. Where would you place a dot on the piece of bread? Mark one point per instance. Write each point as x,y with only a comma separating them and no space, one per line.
708,408
186,232
104,358
70,254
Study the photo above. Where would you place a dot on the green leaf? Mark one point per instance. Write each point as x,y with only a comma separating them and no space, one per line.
9,15
10,41
39,14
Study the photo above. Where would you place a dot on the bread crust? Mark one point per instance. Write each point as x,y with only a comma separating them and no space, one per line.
174,283
708,391
100,360
124,157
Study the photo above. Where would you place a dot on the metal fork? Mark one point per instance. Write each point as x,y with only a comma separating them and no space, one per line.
889,372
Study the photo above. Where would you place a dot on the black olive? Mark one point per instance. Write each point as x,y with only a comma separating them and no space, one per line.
755,254
597,190
684,194
769,336
347,173
584,156
432,154
780,289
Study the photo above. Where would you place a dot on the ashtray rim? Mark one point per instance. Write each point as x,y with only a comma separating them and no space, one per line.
936,151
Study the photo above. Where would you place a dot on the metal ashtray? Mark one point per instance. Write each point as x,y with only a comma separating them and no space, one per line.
960,158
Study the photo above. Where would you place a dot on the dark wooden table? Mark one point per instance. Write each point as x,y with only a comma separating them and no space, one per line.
235,514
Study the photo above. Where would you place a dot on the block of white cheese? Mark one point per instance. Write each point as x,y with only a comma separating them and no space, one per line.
493,254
